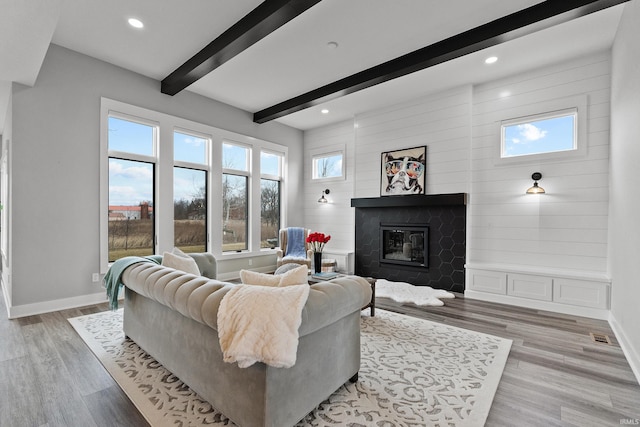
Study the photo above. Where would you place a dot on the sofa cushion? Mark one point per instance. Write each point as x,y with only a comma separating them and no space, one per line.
296,276
180,261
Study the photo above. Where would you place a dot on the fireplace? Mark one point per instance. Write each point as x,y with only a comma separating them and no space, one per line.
405,245
439,219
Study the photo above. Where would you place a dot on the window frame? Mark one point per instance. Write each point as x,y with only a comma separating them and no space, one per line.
276,178
163,209
325,153
134,157
546,110
206,167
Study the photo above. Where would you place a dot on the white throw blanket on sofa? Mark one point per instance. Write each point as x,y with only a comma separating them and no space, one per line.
260,324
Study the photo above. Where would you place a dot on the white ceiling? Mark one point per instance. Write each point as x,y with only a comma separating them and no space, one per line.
295,58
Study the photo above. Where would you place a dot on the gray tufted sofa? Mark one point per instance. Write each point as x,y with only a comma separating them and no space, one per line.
173,317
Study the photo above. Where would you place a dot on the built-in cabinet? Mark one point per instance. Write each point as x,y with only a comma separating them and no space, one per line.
560,291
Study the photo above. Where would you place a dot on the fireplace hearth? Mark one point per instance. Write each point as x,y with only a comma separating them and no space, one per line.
418,239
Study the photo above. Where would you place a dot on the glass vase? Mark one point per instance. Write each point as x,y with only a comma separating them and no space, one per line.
317,262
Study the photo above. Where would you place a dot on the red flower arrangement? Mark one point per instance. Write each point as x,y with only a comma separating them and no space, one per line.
317,241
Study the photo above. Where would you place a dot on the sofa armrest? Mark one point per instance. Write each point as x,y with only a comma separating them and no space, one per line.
332,300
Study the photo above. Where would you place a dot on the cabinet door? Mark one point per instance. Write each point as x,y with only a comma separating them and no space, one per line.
488,281
581,292
529,286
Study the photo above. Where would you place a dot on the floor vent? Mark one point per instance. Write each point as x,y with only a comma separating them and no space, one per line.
600,338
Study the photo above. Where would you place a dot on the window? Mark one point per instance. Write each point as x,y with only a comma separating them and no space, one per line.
270,178
190,195
540,134
205,189
328,165
131,145
235,196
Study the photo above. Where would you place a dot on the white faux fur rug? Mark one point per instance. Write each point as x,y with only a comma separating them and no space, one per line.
413,373
407,293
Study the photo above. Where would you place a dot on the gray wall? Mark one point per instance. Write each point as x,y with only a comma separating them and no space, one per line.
625,181
55,166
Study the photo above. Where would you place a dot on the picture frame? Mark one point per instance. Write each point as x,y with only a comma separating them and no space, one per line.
402,172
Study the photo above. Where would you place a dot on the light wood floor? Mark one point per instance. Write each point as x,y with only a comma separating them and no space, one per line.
555,374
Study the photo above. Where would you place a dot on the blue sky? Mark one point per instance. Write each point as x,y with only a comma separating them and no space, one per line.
132,182
549,135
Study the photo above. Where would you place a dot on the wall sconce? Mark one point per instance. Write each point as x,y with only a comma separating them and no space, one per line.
322,199
535,189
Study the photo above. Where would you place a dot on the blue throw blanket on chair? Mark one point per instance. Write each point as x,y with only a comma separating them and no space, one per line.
296,246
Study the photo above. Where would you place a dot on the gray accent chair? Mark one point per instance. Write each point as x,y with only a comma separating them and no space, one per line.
173,317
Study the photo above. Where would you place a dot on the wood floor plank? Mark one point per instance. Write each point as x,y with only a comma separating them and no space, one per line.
51,379
554,376
20,404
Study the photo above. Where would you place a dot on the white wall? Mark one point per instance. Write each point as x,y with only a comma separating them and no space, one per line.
336,217
625,180
440,121
5,230
55,174
567,227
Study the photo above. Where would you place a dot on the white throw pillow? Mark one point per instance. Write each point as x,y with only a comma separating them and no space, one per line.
297,276
248,277
183,263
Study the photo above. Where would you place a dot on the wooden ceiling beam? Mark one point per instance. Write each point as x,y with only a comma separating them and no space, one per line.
527,21
257,24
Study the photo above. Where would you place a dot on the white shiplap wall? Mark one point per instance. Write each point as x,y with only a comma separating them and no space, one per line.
563,231
567,227
336,217
441,122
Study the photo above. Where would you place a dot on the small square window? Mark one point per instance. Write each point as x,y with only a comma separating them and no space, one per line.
540,134
189,148
328,165
235,157
270,164
131,137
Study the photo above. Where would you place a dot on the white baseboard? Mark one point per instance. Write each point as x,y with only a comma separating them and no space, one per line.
55,305
632,356
593,313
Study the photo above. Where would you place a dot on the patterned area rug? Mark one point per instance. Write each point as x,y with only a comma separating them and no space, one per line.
413,373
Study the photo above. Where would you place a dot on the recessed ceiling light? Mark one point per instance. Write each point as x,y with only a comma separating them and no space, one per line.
135,23
491,60
324,111
332,45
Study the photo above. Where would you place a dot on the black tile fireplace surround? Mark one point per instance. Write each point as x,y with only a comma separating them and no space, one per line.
445,215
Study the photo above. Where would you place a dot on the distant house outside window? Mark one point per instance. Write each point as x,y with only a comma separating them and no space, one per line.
540,134
131,146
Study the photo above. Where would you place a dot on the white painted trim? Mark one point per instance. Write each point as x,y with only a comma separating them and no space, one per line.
7,301
592,313
631,355
541,271
55,305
